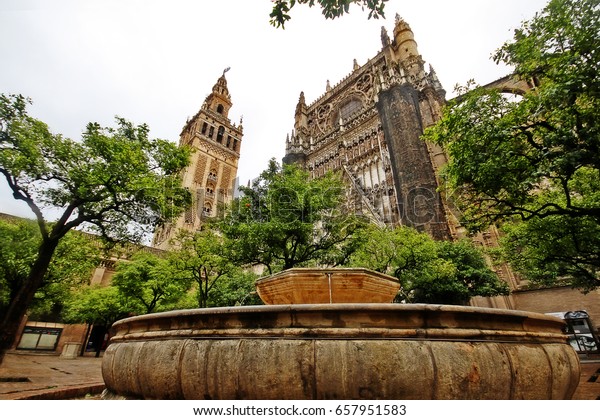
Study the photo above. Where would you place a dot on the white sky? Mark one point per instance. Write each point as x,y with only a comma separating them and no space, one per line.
154,61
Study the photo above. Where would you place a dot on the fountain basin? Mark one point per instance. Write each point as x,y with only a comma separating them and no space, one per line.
341,351
331,285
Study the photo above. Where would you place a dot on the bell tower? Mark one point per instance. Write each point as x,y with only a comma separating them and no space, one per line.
211,175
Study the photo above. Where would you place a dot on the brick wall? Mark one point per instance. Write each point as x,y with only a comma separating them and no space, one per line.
559,299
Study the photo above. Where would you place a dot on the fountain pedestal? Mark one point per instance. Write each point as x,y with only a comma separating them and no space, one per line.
341,351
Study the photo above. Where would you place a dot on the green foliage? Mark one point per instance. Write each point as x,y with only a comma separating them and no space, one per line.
96,305
555,250
202,258
471,269
429,271
72,265
115,181
330,8
75,259
285,219
237,289
394,251
148,282
535,160
18,246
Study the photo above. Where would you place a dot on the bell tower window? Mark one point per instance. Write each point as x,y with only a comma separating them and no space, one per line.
220,133
220,109
207,209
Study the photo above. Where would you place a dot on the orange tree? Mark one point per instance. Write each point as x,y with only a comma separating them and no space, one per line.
115,181
533,163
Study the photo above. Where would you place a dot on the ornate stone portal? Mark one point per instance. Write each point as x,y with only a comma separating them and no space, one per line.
340,351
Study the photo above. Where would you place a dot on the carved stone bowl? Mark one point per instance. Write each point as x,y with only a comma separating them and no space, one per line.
331,285
341,351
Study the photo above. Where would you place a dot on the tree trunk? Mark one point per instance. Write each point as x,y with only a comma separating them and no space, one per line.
17,309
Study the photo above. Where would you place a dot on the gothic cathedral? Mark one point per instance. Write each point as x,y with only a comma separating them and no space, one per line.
368,126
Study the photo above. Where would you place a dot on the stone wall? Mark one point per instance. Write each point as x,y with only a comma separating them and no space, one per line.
416,184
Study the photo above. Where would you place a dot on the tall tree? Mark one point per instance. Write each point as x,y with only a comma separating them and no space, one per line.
331,9
535,159
116,181
285,219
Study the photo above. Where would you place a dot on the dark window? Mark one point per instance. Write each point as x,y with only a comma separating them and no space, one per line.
220,109
220,133
207,209
211,131
204,127
235,145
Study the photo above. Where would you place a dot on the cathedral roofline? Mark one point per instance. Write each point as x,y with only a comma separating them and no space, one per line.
347,79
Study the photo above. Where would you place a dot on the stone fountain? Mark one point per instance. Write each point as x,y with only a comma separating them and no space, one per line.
334,334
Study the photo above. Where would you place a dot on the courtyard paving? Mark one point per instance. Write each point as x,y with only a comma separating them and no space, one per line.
37,376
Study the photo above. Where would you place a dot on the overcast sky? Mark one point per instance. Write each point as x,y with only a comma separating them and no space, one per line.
154,61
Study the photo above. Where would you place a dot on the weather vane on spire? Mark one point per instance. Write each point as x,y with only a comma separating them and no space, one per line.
226,70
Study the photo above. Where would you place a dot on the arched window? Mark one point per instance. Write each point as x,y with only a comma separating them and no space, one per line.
348,109
210,190
211,131
220,109
204,127
220,133
207,210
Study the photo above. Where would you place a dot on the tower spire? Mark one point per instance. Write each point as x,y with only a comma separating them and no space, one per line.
405,49
220,99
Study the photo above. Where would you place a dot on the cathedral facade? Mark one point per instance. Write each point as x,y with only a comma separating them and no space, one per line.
215,141
368,127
